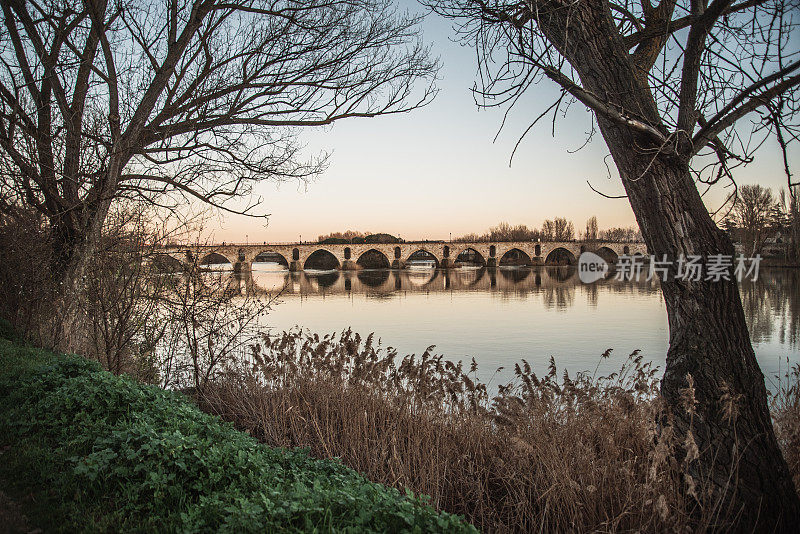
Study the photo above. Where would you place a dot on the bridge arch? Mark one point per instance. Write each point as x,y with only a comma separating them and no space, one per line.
270,256
608,254
514,257
560,256
373,259
166,262
322,260
217,260
470,256
422,255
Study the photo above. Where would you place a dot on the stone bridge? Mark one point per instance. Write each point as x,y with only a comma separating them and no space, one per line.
300,256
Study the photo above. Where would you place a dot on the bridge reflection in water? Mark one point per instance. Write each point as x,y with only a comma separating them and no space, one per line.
499,315
271,278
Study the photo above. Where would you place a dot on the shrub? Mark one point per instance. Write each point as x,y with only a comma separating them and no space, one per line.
27,292
785,407
548,453
7,331
102,452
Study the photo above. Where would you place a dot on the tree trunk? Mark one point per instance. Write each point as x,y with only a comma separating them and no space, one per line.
74,248
738,452
739,457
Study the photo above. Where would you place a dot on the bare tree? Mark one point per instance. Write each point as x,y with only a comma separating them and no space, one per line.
502,232
563,230
127,283
211,321
620,234
790,215
558,229
345,237
668,86
168,101
121,298
591,229
754,214
506,232
548,230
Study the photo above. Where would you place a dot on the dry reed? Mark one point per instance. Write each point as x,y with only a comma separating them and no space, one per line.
549,453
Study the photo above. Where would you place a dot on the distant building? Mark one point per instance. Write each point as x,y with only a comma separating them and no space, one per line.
774,245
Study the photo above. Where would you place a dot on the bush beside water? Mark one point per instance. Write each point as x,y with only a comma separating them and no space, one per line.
547,453
97,452
89,451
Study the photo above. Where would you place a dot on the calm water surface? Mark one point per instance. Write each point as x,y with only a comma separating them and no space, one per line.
500,316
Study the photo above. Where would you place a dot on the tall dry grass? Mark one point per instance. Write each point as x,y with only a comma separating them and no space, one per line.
785,408
549,453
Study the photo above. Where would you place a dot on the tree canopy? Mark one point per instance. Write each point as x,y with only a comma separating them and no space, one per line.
700,66
186,99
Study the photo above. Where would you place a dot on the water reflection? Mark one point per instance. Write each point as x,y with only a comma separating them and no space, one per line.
772,306
558,284
515,275
499,315
371,279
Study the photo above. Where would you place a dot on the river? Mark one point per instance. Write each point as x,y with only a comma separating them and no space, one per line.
500,316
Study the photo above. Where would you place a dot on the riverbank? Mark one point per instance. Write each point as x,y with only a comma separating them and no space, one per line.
552,452
85,450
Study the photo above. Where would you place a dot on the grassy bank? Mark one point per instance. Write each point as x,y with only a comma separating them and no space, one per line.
84,450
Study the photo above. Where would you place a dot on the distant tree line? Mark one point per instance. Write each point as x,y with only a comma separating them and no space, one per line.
356,237
758,216
629,233
558,229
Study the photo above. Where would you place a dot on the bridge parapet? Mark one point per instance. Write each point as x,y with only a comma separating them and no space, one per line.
397,255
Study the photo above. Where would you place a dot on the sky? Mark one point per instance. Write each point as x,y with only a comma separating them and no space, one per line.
438,171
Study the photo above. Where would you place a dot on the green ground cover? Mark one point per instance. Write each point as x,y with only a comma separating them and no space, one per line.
89,451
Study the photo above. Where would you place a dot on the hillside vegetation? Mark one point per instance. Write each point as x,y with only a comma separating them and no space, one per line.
85,450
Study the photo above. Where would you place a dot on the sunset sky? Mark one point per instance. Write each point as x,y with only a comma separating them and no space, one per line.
437,170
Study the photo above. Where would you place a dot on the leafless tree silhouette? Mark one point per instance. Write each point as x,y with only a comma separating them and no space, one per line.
682,92
178,100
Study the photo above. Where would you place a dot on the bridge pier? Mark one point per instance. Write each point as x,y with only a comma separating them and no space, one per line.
447,263
296,266
242,267
349,265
